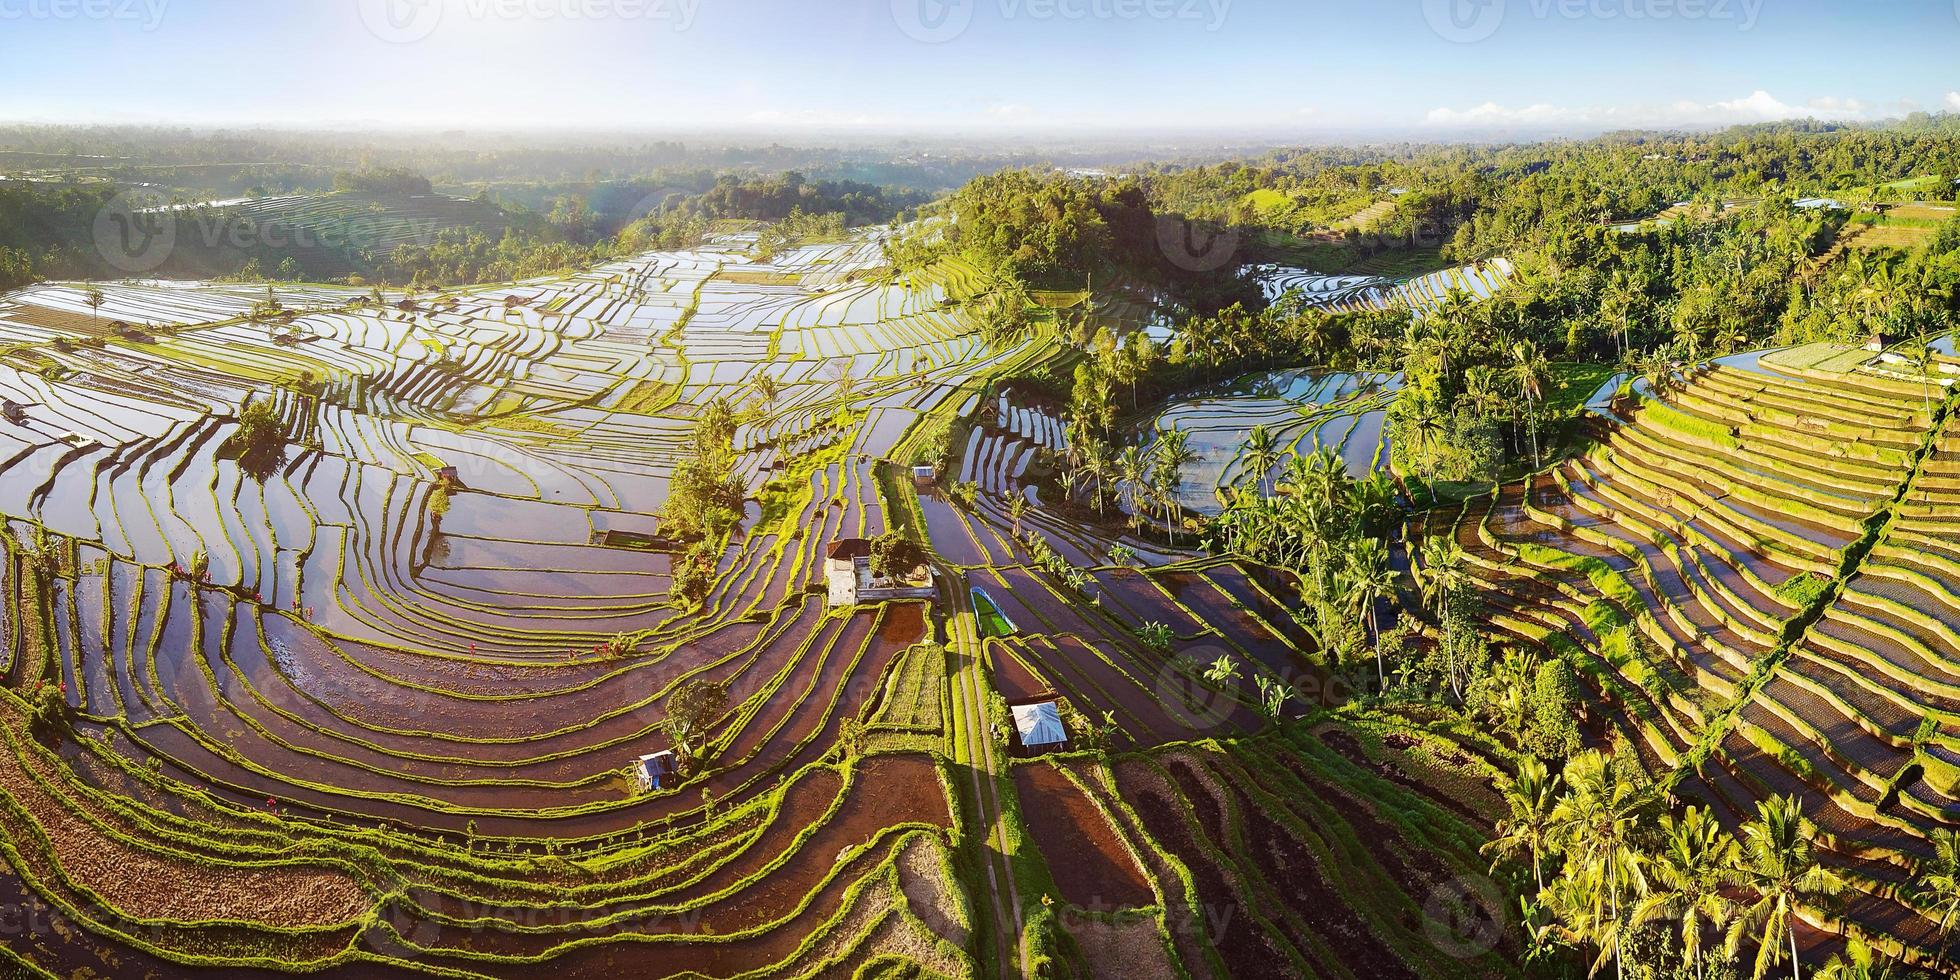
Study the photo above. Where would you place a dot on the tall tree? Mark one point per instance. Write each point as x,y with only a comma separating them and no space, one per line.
1261,455
1530,797
1530,372
1779,866
1369,581
1939,886
1596,824
1695,863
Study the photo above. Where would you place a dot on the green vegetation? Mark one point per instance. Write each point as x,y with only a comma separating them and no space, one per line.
276,699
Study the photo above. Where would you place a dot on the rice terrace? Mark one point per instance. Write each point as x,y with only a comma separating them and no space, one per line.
671,501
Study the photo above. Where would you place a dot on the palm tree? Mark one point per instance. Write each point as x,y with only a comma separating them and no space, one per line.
1169,457
1131,471
95,299
1531,796
1939,885
1017,508
1262,454
1097,466
1922,357
1621,297
1696,861
1780,867
1577,915
1370,580
1296,476
1658,371
1857,963
1161,496
1530,371
1595,825
1425,429
1442,571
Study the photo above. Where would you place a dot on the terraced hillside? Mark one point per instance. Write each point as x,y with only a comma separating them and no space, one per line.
1755,573
379,707
393,696
1420,295
1204,844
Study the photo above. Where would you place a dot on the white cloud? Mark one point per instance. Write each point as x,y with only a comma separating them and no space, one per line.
1758,106
1010,111
1953,101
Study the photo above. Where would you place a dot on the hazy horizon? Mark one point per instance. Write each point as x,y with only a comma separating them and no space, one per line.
1245,70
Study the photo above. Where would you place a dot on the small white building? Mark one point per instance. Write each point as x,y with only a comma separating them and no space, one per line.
653,770
847,570
1040,727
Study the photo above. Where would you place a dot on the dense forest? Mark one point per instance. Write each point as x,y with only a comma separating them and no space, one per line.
1632,251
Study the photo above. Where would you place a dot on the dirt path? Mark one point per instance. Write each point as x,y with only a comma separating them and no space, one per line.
976,754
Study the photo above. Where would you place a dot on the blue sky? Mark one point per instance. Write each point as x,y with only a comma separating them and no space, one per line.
1247,66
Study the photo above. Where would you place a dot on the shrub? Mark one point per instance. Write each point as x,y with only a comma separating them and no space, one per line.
1554,732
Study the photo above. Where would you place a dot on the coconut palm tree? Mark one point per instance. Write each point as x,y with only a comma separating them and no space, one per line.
1163,495
1939,886
1530,372
1169,457
1780,867
1370,580
1922,356
1131,472
1442,571
1017,510
1099,469
1658,371
1857,963
1262,454
1695,863
1297,477
1425,429
1577,917
1530,796
1595,827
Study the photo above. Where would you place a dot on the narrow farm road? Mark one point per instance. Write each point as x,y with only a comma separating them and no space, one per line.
977,755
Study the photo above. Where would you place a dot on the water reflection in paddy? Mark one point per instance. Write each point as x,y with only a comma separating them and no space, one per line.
1303,409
